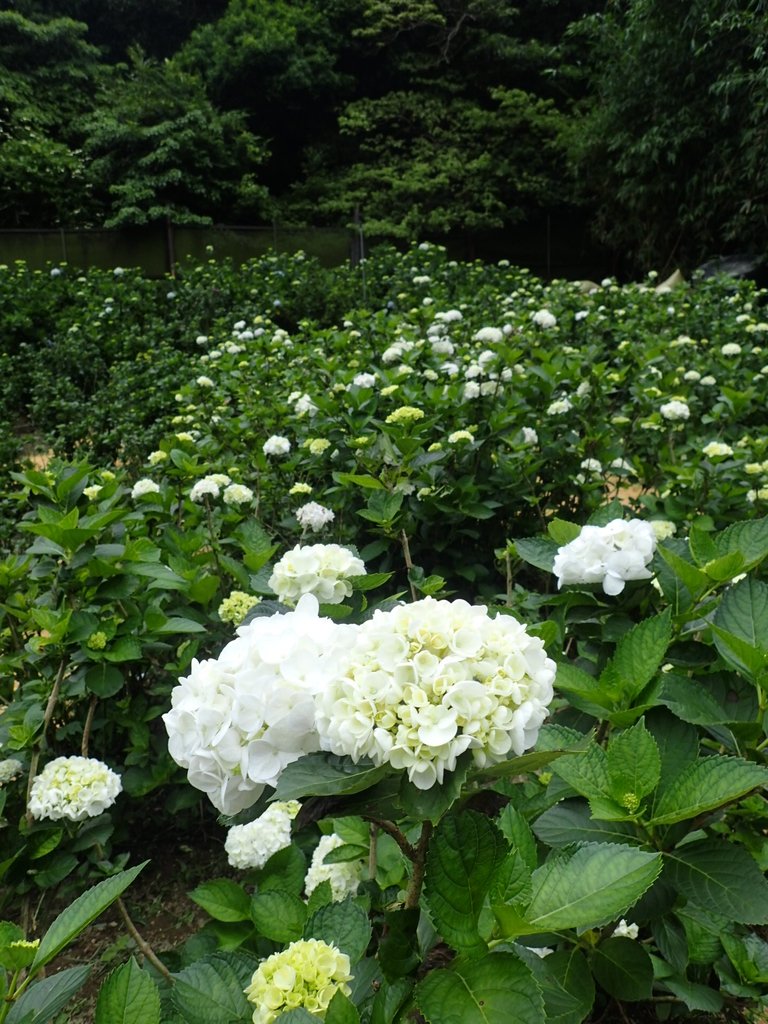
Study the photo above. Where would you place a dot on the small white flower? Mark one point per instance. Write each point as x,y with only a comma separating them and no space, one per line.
251,846
323,570
343,877
716,449
276,445
730,349
314,516
237,494
675,410
530,436
489,335
625,931
559,406
9,769
609,555
203,488
205,382
543,318
144,486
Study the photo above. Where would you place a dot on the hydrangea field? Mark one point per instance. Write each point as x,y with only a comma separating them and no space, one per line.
438,592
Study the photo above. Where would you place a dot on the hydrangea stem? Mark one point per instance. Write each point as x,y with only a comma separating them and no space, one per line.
419,864
408,562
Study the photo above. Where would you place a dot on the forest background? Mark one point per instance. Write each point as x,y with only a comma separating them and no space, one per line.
645,120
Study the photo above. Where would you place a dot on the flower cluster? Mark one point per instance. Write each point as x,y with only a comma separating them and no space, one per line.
320,569
251,845
73,787
236,721
276,445
307,974
675,410
425,682
344,877
9,769
314,516
144,486
235,607
611,554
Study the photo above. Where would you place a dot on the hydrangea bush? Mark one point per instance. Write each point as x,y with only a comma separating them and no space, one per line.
458,622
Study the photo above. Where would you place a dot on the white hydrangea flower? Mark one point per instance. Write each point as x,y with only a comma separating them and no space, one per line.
204,382
320,569
625,931
364,380
530,436
449,316
663,528
730,349
237,720
442,347
276,445
144,486
73,787
709,381
427,681
489,335
559,406
344,877
314,516
611,554
9,769
471,390
206,486
675,410
716,449
544,318
307,974
251,845
237,494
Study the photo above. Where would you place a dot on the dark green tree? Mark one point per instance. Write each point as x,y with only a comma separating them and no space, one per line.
157,149
671,146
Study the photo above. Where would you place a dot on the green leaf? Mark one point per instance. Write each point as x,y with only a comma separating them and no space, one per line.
695,997
496,989
743,616
678,743
593,885
322,774
43,999
565,982
297,1016
571,822
223,899
586,771
124,648
399,946
370,581
80,913
562,532
517,832
624,969
705,784
691,701
464,855
390,997
634,765
180,625
279,916
529,762
341,1011
747,659
638,656
538,551
128,996
382,507
586,692
431,804
284,871
211,991
721,878
702,546
104,680
694,580
749,538
359,480
343,924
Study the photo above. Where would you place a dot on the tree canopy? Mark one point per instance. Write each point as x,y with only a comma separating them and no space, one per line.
428,116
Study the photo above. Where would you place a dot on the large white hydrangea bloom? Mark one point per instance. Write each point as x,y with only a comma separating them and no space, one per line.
73,787
320,569
427,681
611,554
236,721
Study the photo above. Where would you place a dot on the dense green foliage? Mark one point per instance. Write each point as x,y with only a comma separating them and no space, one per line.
462,422
426,119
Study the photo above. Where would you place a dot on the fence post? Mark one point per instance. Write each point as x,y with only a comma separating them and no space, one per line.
170,247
